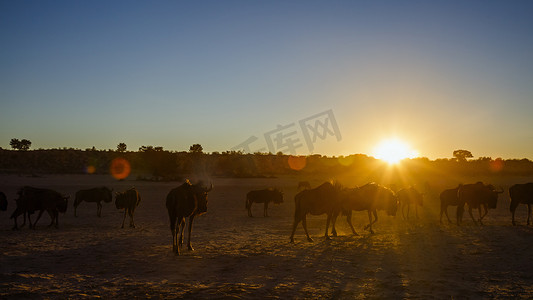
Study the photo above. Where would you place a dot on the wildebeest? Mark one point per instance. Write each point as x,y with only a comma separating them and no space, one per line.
33,199
324,199
128,200
186,201
521,193
370,197
478,196
304,185
408,196
97,195
263,196
449,197
3,201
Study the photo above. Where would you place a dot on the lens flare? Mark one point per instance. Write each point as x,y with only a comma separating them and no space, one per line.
90,169
120,168
297,162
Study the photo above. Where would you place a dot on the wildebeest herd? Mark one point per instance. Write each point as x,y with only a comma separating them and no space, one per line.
190,200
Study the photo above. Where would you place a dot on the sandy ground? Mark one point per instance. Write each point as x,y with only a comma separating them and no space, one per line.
240,257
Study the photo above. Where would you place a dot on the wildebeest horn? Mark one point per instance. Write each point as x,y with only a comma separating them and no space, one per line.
210,187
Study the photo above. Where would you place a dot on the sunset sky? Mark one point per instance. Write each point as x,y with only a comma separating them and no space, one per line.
438,75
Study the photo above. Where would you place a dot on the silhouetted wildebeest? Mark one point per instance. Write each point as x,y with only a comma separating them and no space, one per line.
128,200
449,198
304,185
521,193
97,195
324,199
477,196
263,196
37,199
186,201
3,201
370,197
408,196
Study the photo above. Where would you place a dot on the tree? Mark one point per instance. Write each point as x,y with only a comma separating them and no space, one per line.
121,147
462,155
196,149
20,144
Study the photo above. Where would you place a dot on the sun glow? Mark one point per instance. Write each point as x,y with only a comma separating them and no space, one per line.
394,150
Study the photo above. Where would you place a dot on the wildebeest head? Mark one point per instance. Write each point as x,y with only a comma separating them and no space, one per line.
391,200
277,196
63,204
120,199
493,196
200,194
107,194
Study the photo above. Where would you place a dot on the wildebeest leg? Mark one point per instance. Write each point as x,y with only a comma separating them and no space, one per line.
249,206
123,219
416,211
24,219
30,224
294,225
328,220
485,210
304,224
459,214
15,217
471,215
52,217
528,213
98,209
265,211
131,214
191,219
38,217
369,226
181,228
75,207
370,219
333,221
349,220
408,208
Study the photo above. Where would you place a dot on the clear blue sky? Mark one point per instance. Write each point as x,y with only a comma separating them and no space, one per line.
441,75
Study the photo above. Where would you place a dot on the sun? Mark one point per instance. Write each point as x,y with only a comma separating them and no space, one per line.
394,150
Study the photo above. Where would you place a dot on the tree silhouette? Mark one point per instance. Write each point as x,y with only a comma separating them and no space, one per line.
121,147
196,149
462,155
17,144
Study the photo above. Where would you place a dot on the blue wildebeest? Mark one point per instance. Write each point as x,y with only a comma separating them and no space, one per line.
449,197
324,199
33,199
3,201
408,196
370,197
97,195
521,193
477,196
263,196
128,200
186,201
